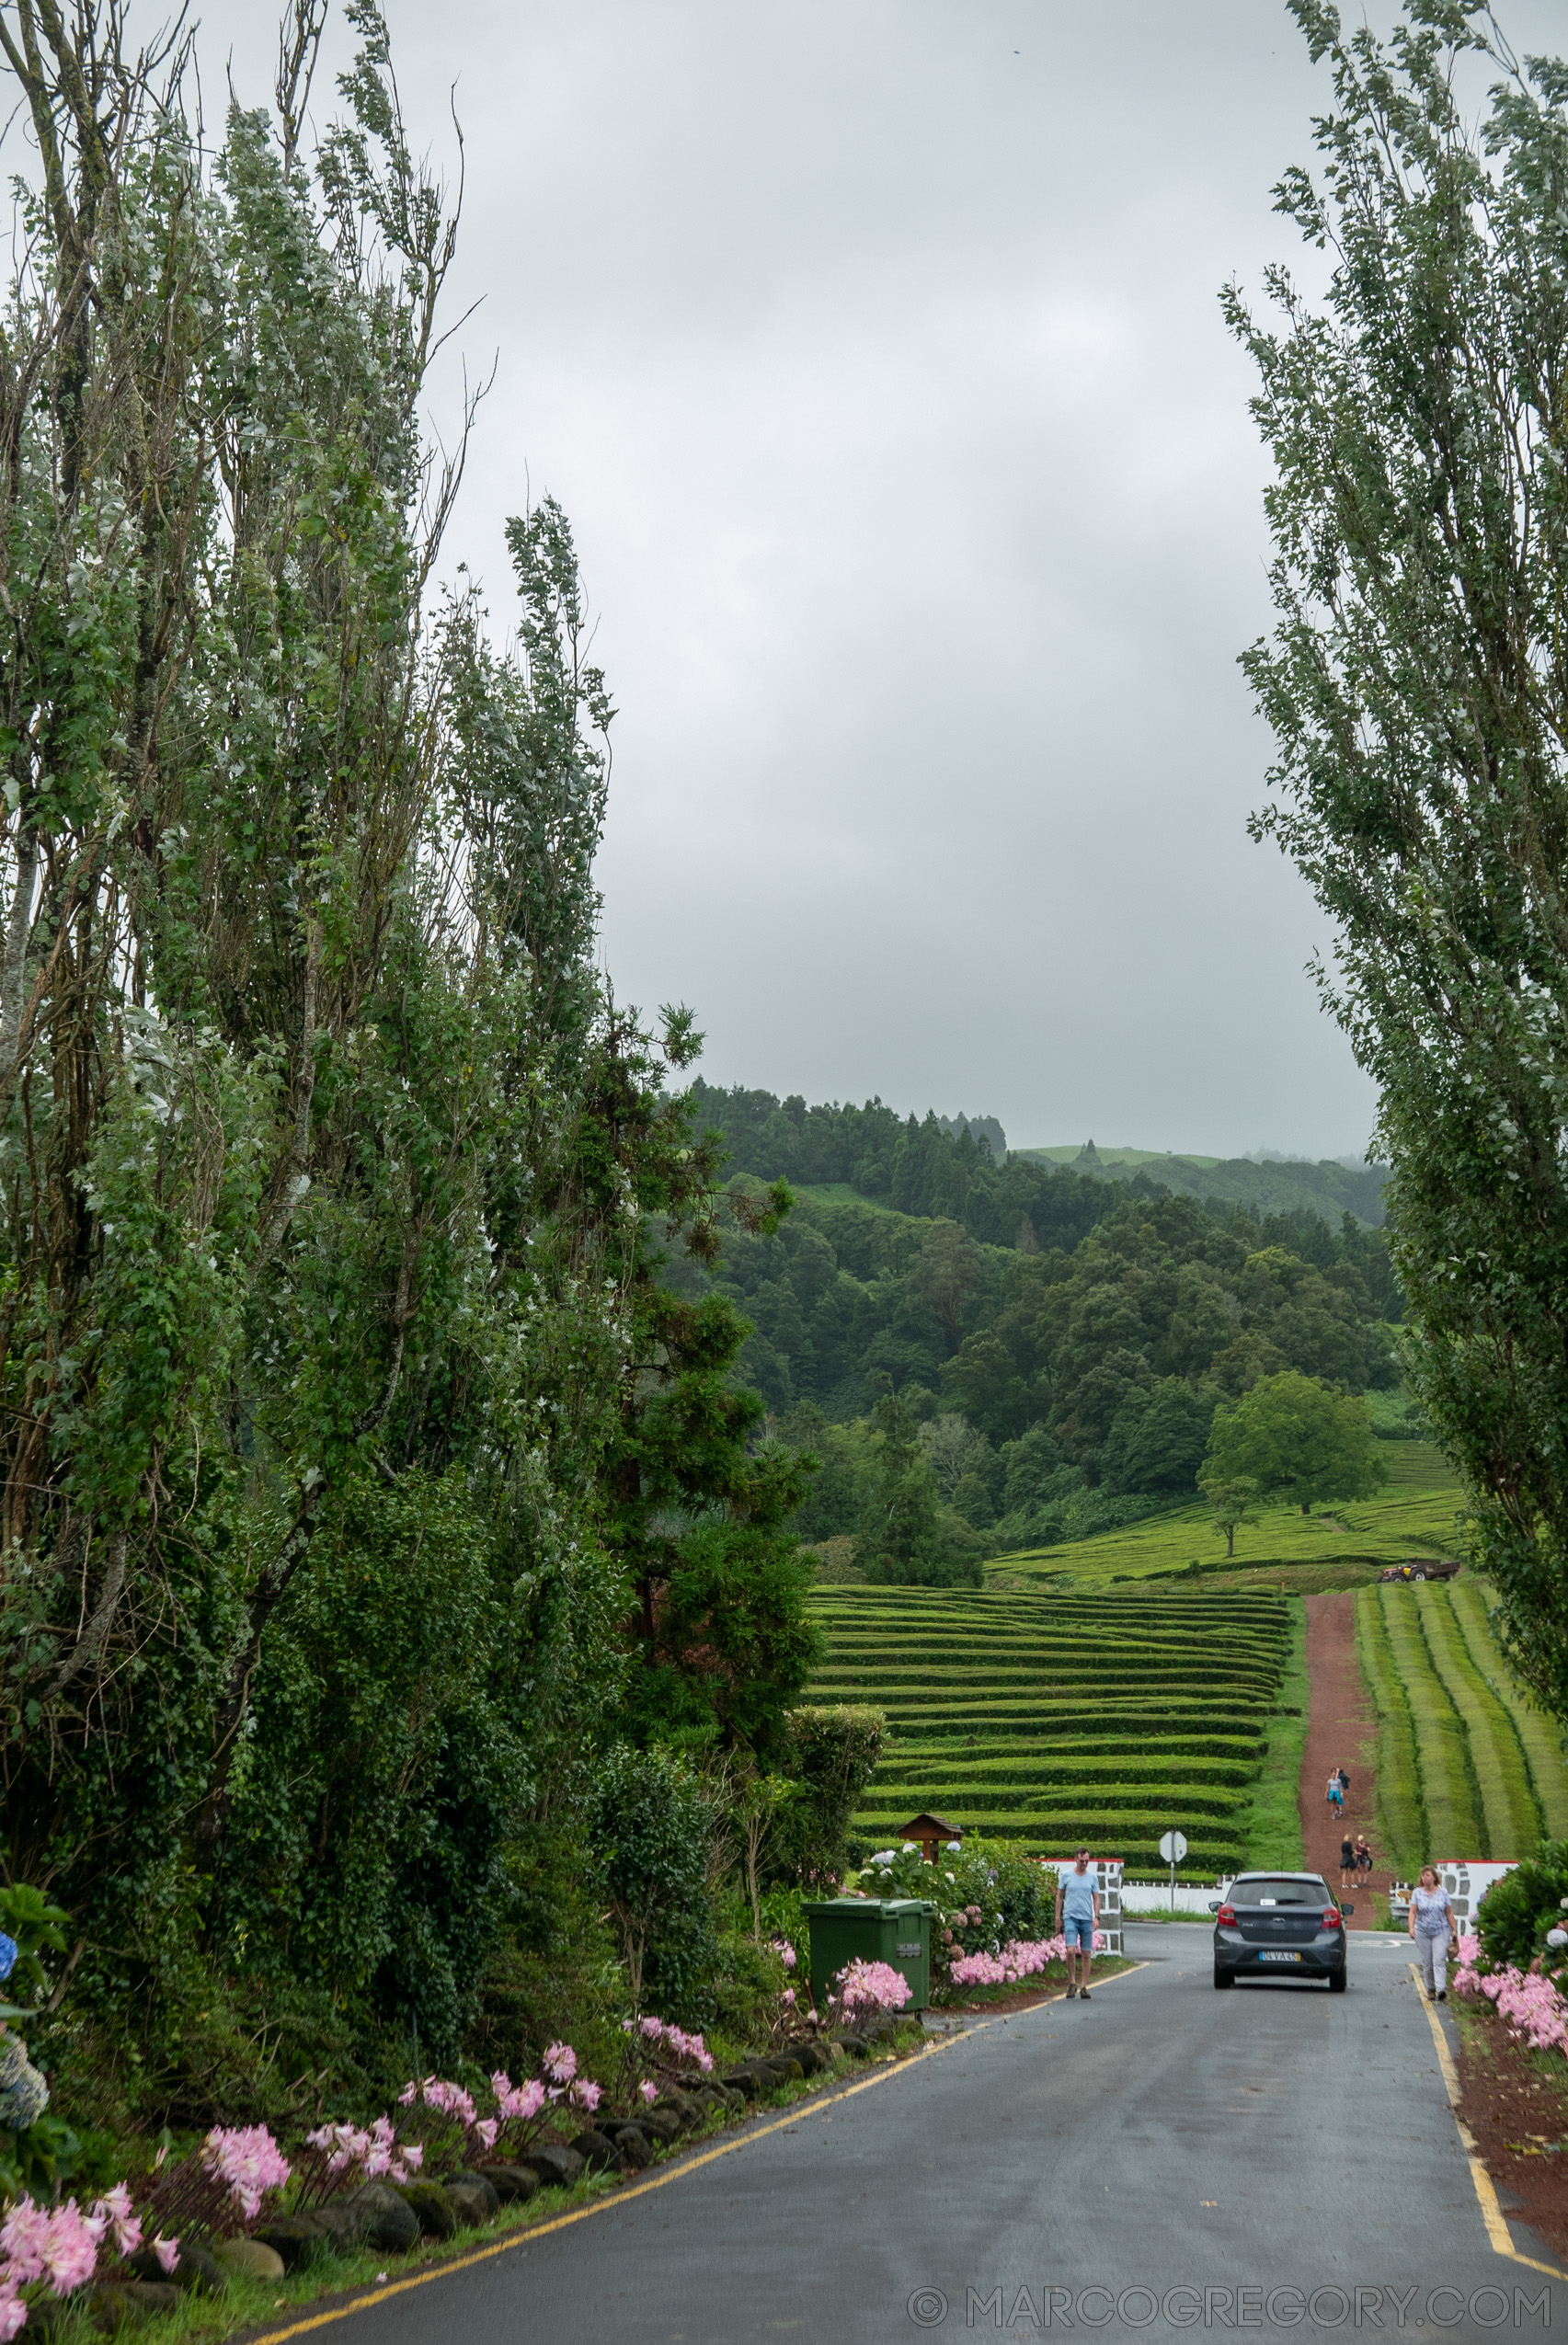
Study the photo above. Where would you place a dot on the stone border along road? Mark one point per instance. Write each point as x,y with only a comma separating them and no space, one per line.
1342,1730
1167,2160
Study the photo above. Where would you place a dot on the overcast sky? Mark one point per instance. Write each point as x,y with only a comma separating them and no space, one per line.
873,347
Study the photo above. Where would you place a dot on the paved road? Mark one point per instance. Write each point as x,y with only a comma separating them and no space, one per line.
1163,2139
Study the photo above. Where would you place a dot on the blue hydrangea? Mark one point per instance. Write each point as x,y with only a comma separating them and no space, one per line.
8,1950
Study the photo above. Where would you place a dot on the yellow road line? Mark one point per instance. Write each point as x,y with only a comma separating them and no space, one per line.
623,2198
1491,2212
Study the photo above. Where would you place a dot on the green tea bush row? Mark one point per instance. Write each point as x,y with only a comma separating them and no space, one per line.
1442,1757
1401,1807
1046,1768
1509,1816
1540,1738
920,1748
969,1797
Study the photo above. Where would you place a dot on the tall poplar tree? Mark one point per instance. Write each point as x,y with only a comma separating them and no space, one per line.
1416,681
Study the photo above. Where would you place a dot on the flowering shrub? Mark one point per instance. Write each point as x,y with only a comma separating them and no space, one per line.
987,1896
358,2154
521,2110
458,2132
870,1988
1529,2002
247,2161
656,2042
60,2246
1019,1959
784,1950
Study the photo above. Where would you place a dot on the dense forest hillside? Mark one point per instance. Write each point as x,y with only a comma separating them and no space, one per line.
933,1165
1278,1184
1045,1353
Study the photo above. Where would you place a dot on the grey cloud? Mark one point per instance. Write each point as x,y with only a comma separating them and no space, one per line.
874,349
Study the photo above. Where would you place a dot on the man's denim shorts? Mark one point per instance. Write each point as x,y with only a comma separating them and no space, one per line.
1080,1934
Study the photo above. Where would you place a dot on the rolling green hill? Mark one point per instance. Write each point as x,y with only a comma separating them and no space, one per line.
1341,1547
1289,1186
1060,1719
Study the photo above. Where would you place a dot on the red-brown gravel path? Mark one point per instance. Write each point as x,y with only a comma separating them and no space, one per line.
1341,1730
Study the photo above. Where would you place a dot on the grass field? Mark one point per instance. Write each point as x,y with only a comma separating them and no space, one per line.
1056,1719
1467,1764
1341,1547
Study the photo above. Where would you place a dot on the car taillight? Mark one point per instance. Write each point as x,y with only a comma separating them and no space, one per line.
1227,1914
1331,1917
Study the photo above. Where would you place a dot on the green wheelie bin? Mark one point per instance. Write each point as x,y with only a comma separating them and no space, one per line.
895,1931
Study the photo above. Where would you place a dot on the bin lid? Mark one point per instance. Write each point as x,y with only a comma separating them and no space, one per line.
885,1908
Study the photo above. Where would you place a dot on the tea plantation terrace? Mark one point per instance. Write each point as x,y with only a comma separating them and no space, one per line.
1052,1720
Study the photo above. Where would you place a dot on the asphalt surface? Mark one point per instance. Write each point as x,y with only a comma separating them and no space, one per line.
1164,2161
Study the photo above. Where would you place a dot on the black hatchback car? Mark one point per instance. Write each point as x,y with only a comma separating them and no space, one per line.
1276,1924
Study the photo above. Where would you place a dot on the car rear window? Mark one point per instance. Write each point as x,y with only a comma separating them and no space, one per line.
1263,1892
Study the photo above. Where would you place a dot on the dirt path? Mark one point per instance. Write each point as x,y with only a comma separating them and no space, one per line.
1340,1733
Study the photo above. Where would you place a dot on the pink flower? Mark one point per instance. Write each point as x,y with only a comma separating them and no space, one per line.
560,2063
248,2160
24,2237
13,2310
873,1986
784,1952
72,2253
517,2104
113,2213
650,2093
787,1997
485,2133
588,2096
167,2254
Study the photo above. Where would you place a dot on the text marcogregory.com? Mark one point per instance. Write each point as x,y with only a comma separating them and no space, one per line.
1234,2307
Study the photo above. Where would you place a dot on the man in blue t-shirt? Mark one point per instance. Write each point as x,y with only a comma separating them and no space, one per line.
1078,1911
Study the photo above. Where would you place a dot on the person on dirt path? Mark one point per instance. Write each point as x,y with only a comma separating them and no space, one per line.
1078,1913
1436,1932
1344,1783
1346,1860
1364,1858
1336,1795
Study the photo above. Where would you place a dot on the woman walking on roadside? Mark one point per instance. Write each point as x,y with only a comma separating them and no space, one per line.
1347,1861
1364,1858
1436,1932
1336,1794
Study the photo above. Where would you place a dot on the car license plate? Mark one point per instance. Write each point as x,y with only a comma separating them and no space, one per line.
1273,1957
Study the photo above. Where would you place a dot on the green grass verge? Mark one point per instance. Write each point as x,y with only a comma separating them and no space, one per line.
1508,1810
1270,1823
1401,1814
